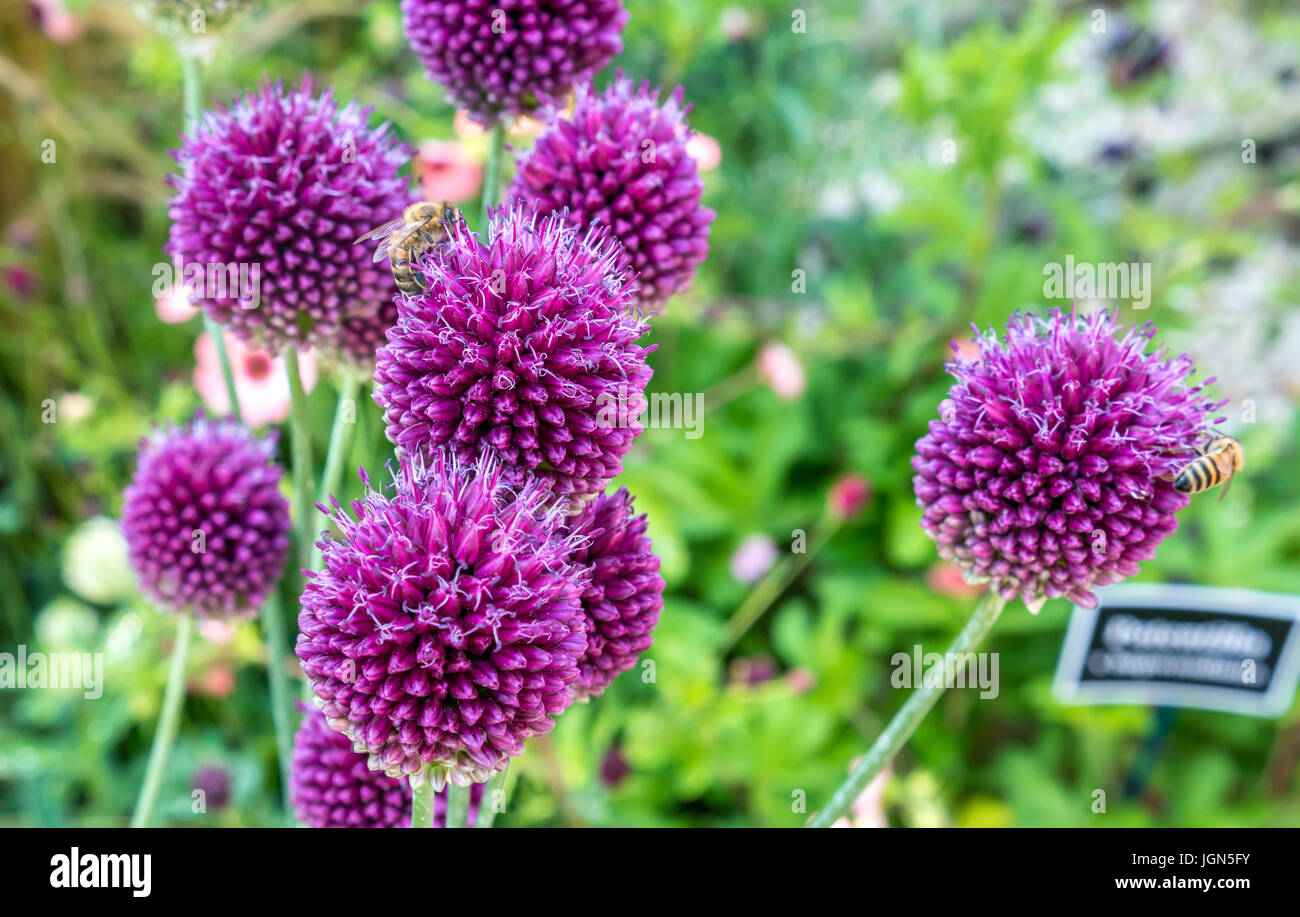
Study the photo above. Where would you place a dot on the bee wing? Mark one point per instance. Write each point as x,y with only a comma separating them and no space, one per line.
381,231
401,237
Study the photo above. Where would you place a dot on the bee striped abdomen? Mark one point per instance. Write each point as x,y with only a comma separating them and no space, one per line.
1200,475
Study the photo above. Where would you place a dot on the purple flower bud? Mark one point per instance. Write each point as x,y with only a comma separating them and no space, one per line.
206,527
525,347
1049,472
446,626
499,58
620,161
273,194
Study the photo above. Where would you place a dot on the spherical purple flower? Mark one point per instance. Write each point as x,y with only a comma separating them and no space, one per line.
332,787
271,197
1049,470
446,627
505,58
214,783
524,346
206,527
624,595
620,160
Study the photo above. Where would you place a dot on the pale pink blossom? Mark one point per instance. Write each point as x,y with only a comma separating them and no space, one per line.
779,367
465,126
849,496
868,810
173,306
946,578
705,150
261,381
752,558
447,171
58,24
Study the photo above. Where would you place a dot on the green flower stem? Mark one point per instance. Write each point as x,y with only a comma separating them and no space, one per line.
272,623
778,579
217,333
340,438
487,809
300,432
422,798
909,716
457,806
168,719
492,174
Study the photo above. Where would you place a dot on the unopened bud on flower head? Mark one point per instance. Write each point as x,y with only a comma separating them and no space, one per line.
525,347
1049,470
446,626
503,59
620,160
206,527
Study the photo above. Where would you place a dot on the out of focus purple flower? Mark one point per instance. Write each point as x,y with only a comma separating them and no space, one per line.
502,59
214,783
331,786
751,671
447,625
614,767
624,593
524,346
620,160
206,527
1048,470
752,558
272,195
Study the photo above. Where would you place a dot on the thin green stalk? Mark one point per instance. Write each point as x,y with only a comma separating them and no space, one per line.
340,438
422,798
168,719
300,433
457,806
217,334
771,587
487,807
492,174
909,716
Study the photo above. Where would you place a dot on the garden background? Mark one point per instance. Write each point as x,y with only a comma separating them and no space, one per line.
852,236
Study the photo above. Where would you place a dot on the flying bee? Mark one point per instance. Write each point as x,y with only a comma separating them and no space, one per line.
421,228
1219,460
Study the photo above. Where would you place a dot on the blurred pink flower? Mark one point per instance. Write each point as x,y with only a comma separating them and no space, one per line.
868,810
218,681
447,172
217,630
465,126
849,496
261,381
945,577
752,558
20,280
737,23
173,307
800,680
968,349
705,150
779,367
55,20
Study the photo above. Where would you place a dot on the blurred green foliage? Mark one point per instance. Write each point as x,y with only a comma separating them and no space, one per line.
844,231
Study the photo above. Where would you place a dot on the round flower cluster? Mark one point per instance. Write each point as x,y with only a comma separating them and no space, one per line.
505,58
525,347
271,197
1049,471
331,786
446,626
620,160
206,527
624,593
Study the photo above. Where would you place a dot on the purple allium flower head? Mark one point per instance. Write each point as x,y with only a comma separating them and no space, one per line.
446,626
524,346
620,161
1048,472
332,787
214,783
206,527
274,192
505,58
625,592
